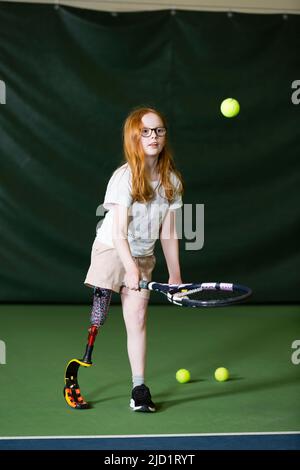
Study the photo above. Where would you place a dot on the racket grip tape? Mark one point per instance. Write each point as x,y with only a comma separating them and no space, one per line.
143,284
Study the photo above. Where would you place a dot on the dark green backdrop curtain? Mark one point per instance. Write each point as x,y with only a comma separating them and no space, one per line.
71,78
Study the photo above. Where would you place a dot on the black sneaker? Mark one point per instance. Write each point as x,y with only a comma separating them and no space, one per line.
141,399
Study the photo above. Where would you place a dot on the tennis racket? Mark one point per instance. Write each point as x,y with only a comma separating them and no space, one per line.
204,294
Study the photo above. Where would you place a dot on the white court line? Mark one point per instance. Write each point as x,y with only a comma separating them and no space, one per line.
116,436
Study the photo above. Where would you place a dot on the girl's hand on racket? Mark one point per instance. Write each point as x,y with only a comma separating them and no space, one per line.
132,278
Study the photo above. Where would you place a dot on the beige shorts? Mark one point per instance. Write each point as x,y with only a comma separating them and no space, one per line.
106,270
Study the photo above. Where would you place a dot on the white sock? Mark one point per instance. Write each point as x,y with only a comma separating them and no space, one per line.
137,380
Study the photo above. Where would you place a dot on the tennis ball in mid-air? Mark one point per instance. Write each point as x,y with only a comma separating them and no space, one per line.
230,107
183,376
221,374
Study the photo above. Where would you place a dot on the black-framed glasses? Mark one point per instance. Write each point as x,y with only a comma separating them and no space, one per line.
159,131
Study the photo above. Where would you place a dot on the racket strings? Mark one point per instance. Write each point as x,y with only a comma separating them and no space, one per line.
187,293
203,294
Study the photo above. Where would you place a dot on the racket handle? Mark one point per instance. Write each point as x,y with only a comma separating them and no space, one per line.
143,284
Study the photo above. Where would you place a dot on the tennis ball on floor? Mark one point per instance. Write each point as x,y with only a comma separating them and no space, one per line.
230,107
183,376
221,374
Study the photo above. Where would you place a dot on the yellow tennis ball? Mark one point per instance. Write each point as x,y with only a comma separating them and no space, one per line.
221,374
183,376
230,107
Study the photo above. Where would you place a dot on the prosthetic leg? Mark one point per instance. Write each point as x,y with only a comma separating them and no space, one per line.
72,393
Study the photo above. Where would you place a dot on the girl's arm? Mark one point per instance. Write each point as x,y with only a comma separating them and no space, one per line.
170,247
120,230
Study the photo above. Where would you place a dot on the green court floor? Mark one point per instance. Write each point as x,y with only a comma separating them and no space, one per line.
253,342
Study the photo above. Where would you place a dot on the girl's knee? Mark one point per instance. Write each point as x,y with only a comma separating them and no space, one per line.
135,311
141,317
136,318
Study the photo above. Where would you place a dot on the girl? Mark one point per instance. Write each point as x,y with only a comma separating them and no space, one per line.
141,198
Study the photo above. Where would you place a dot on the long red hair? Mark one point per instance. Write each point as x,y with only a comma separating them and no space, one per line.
134,155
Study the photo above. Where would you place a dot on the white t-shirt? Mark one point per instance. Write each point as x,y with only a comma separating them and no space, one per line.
145,219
